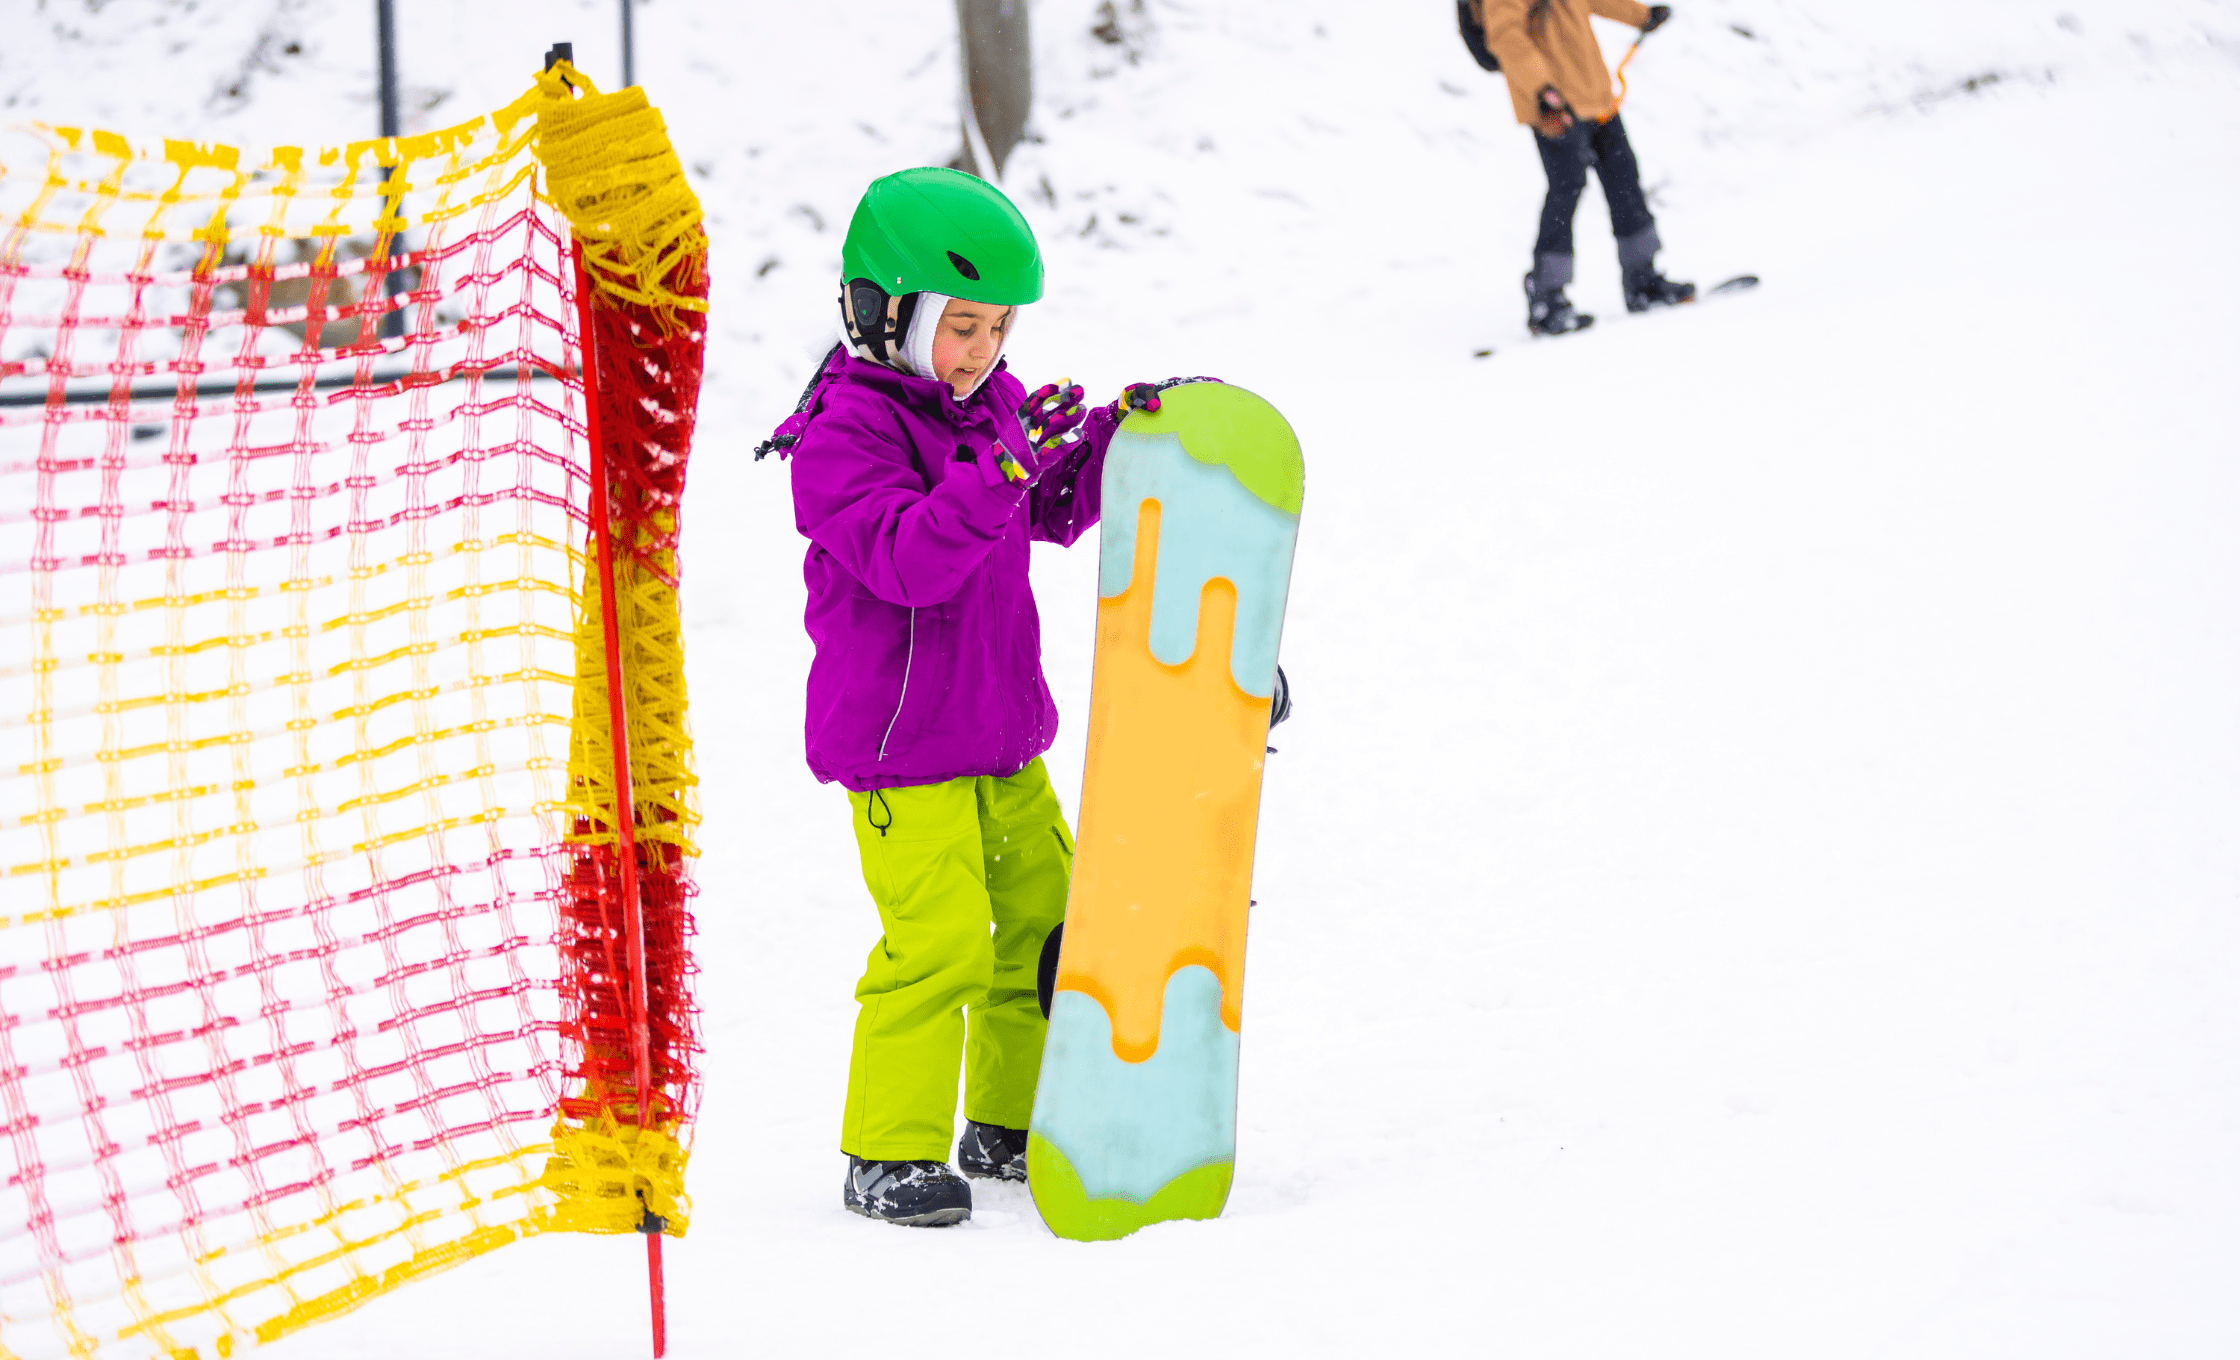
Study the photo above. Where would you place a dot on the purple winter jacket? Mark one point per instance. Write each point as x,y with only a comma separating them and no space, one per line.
929,651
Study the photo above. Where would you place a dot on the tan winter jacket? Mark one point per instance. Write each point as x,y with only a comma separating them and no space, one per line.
1557,50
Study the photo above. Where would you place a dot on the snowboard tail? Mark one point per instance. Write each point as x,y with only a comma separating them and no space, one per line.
1070,1213
1135,1112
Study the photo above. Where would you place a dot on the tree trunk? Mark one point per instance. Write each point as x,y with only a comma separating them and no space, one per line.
998,82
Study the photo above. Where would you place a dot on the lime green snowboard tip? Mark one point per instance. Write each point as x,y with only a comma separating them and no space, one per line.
1224,424
1067,1208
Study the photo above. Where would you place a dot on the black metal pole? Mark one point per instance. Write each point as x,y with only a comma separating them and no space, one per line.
385,18
629,49
385,12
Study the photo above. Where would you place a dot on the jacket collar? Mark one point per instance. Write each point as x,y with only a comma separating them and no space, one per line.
928,394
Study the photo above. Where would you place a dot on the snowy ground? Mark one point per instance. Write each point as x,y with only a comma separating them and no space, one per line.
1754,869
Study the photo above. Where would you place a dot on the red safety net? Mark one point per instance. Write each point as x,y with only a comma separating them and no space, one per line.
639,409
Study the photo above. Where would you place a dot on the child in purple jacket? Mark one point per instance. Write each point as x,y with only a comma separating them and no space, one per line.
921,470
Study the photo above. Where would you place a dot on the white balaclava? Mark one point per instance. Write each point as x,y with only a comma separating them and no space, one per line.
917,346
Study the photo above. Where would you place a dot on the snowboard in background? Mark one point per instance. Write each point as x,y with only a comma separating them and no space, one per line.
1135,1114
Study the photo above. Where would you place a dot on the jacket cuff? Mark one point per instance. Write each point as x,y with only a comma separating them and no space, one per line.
993,476
1096,431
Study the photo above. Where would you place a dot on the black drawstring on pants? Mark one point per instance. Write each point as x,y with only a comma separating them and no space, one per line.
881,799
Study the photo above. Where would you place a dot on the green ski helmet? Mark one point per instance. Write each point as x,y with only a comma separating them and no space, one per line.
933,230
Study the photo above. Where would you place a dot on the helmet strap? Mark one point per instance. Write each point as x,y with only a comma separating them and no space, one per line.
875,321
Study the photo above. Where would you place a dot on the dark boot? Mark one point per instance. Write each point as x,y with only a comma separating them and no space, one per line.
991,1152
1646,288
1548,311
916,1194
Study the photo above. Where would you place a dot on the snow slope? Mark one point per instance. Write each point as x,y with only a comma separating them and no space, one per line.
1753,870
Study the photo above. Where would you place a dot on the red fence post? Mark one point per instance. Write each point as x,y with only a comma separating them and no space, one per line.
618,736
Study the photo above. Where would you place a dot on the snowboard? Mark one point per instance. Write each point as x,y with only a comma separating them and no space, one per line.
1135,1112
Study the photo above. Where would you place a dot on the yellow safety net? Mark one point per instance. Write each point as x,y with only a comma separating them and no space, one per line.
308,904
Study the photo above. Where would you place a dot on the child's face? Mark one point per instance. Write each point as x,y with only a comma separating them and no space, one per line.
970,337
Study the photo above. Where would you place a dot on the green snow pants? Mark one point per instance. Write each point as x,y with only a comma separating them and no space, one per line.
969,877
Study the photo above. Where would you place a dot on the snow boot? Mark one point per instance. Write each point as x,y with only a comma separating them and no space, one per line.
1646,288
1549,312
991,1152
916,1194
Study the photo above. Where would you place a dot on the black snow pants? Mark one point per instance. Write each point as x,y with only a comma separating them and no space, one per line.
1566,158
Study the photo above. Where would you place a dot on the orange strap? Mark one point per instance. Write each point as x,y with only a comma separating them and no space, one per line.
1622,63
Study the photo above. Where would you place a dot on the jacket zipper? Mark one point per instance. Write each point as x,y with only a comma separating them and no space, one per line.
907,657
995,618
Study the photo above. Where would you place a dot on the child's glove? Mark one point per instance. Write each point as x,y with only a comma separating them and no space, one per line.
1144,397
1657,15
1138,397
1014,469
1052,415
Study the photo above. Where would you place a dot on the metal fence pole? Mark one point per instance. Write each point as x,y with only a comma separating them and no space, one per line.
629,49
385,21
385,18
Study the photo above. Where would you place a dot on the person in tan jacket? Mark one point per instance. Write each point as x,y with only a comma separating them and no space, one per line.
1562,91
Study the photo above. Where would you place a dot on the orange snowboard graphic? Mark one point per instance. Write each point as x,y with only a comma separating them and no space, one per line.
1170,873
